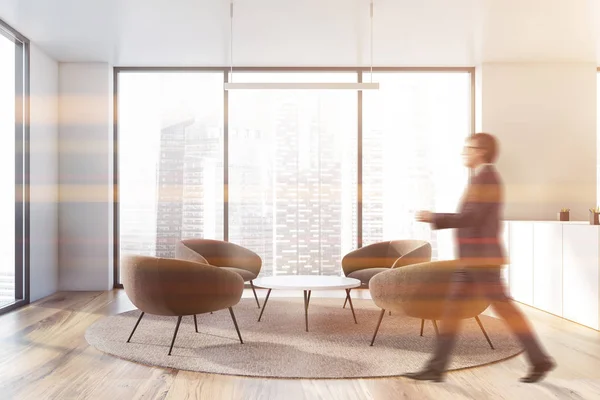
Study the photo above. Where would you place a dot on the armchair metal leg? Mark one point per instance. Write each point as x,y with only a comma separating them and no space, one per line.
484,332
175,334
422,325
306,309
136,325
236,325
437,332
254,291
351,306
264,305
377,327
195,323
347,296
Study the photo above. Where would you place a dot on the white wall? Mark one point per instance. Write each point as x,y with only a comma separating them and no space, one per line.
536,88
545,117
85,176
43,174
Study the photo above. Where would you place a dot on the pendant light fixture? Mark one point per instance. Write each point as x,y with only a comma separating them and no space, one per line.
298,85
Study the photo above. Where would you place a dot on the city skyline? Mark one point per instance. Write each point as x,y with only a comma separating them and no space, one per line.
293,175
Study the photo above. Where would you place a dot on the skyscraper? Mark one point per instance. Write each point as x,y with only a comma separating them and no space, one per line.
251,193
373,181
308,193
202,210
170,187
189,184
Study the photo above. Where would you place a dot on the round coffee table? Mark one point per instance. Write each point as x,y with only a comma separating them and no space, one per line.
307,283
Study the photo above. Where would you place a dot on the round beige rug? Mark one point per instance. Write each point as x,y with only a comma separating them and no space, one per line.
279,346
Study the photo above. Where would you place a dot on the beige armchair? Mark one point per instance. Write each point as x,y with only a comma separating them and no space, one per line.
171,287
225,255
420,291
366,262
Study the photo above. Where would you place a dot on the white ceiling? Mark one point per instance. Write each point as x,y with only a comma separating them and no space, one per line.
309,32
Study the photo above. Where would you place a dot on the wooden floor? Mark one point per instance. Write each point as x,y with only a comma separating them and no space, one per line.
44,355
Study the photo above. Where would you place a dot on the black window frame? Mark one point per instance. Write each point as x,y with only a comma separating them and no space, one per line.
22,167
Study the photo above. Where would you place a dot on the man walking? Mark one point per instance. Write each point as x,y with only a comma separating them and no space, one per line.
481,257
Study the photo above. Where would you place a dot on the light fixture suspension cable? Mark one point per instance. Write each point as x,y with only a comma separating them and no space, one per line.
229,84
231,41
371,28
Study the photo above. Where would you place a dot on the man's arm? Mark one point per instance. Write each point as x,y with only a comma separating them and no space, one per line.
481,198
471,215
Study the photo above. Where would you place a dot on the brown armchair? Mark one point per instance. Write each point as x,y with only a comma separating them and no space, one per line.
171,287
420,291
225,255
366,262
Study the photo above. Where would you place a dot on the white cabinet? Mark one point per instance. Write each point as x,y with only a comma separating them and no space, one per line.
555,266
548,267
580,274
520,250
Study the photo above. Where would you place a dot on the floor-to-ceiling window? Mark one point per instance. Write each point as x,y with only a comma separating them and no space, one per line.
170,166
292,172
277,171
414,130
14,290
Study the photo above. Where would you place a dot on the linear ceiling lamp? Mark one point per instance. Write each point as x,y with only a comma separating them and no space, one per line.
298,85
301,85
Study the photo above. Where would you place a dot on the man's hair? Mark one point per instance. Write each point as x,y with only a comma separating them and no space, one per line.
489,144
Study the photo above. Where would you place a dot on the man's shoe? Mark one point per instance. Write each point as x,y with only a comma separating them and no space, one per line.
426,375
539,371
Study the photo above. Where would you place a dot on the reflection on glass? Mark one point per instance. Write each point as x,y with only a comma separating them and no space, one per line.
170,160
7,166
414,128
292,173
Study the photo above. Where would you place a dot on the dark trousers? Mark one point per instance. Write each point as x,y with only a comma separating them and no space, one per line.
486,282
